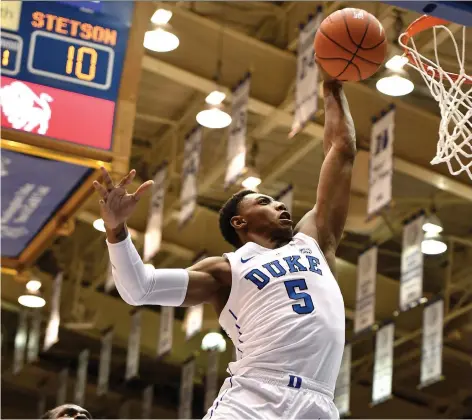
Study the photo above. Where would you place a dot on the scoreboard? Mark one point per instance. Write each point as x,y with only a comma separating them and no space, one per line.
61,65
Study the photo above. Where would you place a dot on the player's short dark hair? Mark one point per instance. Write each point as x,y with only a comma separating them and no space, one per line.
227,212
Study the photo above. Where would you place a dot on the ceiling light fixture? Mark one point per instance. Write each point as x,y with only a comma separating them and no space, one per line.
432,244
395,83
432,224
214,341
160,38
32,297
214,116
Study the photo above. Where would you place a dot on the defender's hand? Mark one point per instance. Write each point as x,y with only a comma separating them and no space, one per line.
116,205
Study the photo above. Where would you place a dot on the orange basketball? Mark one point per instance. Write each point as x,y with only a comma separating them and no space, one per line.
350,44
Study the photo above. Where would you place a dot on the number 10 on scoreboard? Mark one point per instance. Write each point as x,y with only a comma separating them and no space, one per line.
71,60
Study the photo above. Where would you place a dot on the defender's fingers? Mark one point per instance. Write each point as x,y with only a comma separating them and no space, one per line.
127,179
100,189
142,189
107,179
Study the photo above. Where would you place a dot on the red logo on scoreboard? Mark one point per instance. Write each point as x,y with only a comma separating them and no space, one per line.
56,113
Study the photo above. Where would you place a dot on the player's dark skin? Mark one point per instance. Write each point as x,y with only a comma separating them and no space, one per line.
67,411
261,219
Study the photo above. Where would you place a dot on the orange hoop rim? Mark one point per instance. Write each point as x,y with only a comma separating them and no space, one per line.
419,25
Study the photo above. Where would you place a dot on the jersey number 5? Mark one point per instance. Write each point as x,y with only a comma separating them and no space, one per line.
308,306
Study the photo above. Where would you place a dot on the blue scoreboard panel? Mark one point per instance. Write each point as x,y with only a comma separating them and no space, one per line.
61,67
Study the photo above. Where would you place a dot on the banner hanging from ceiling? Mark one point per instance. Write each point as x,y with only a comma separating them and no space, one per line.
52,330
431,354
186,390
306,88
236,152
166,330
342,392
105,361
383,364
81,380
381,162
134,344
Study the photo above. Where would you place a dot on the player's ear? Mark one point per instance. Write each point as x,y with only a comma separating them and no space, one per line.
238,222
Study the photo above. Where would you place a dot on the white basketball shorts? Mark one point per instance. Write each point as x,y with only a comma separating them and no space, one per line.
264,394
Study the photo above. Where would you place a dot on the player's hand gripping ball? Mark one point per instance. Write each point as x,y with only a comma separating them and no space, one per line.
350,45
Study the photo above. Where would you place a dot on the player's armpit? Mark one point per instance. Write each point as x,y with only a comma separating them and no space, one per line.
206,278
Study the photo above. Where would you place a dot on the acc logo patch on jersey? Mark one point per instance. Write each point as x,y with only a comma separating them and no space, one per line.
305,250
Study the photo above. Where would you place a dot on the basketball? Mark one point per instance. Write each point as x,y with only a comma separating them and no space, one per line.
350,44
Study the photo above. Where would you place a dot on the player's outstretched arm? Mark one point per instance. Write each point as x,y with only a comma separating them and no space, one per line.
140,284
327,219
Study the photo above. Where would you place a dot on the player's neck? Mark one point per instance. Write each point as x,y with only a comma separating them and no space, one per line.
267,242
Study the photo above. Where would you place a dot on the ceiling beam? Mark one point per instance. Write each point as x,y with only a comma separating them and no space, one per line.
184,77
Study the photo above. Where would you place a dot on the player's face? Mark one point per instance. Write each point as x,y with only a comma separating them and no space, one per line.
70,411
263,214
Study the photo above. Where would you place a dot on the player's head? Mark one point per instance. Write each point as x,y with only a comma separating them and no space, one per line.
248,215
67,411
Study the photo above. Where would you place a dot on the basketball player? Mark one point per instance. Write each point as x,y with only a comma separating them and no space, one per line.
276,295
67,411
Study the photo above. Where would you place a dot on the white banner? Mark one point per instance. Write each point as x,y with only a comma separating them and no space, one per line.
81,380
191,164
236,152
105,360
306,89
21,338
286,196
186,390
431,356
411,280
381,163
211,380
148,393
383,364
153,234
134,344
166,329
61,395
52,330
364,316
342,392
109,281
33,337
193,320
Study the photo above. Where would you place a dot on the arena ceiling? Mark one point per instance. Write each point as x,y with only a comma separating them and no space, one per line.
261,37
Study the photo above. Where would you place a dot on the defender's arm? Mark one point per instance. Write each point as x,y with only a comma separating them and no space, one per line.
325,222
142,284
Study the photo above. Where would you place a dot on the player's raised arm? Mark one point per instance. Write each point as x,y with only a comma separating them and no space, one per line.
325,222
142,284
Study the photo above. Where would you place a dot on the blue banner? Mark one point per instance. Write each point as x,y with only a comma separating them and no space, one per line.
33,190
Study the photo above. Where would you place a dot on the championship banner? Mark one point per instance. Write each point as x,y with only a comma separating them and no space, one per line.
147,402
21,338
52,330
105,360
153,234
236,152
342,392
109,281
166,329
191,164
306,89
431,356
134,344
381,163
383,364
211,380
186,390
33,337
411,279
364,316
81,380
193,321
286,196
61,395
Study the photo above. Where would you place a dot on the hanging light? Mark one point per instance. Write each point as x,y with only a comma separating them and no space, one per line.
32,298
432,224
395,83
99,224
214,116
214,341
252,178
432,244
160,38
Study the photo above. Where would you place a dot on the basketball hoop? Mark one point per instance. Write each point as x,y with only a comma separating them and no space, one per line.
452,91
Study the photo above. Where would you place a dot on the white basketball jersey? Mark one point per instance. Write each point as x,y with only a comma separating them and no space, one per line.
285,311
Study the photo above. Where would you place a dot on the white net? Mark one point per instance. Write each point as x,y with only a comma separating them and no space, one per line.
453,92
